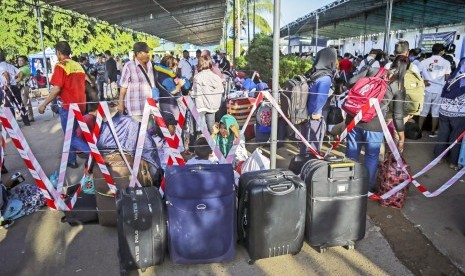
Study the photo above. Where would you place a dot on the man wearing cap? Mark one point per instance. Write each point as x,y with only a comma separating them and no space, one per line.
224,64
137,81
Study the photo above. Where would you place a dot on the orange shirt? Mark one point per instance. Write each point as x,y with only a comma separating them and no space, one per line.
70,76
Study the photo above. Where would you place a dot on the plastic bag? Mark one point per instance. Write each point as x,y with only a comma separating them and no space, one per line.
256,162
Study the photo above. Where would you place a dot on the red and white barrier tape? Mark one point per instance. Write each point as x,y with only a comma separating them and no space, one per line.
106,111
232,153
397,156
172,140
297,132
350,126
11,126
2,154
203,128
94,152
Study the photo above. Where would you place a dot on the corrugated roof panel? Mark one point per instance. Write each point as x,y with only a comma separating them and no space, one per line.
349,18
174,20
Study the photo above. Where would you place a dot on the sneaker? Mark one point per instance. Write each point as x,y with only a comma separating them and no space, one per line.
433,135
72,165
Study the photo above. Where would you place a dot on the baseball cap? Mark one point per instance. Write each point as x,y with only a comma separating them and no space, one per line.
141,47
223,51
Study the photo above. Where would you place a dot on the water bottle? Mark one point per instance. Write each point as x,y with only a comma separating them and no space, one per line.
54,179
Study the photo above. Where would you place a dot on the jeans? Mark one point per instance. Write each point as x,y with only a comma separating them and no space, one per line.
76,142
314,132
208,119
372,141
450,129
100,90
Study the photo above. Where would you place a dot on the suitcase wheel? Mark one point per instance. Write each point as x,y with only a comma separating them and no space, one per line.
251,262
350,246
322,249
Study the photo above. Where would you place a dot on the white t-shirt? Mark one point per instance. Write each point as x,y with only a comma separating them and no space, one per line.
434,69
186,68
362,63
195,62
11,70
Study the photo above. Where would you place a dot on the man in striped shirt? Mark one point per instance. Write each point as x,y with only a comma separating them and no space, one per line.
137,80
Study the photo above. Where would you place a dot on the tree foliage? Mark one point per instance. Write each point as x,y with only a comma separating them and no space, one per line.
85,35
260,56
262,7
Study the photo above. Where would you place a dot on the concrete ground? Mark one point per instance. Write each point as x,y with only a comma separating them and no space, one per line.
41,245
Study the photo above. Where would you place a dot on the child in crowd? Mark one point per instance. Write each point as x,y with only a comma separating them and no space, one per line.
203,153
224,135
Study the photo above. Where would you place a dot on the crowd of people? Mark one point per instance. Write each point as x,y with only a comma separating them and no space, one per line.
76,80
418,85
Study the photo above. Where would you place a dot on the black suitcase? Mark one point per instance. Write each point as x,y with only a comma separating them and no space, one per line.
84,211
141,223
298,161
271,214
337,194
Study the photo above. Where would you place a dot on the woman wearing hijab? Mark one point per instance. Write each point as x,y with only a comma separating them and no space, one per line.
224,135
452,114
320,79
370,134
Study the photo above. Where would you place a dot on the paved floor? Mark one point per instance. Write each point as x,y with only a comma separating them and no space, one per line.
40,245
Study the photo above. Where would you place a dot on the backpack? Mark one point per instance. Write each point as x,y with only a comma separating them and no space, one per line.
296,90
264,115
414,92
365,89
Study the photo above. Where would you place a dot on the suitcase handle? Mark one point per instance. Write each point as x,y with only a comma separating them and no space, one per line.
281,189
342,170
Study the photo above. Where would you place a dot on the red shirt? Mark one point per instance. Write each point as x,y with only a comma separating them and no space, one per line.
345,65
70,76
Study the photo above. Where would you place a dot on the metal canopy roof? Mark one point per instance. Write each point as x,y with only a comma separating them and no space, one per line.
198,22
351,18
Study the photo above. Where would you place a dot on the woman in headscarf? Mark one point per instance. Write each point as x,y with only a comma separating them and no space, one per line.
320,79
452,114
224,135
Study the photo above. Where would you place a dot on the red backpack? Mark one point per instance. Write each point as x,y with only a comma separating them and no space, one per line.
365,89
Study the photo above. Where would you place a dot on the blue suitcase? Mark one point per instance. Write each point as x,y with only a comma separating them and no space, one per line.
462,155
201,206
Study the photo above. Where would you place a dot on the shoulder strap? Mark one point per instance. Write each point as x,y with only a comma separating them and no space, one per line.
145,75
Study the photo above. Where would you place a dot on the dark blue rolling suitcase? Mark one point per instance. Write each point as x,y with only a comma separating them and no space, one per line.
201,205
